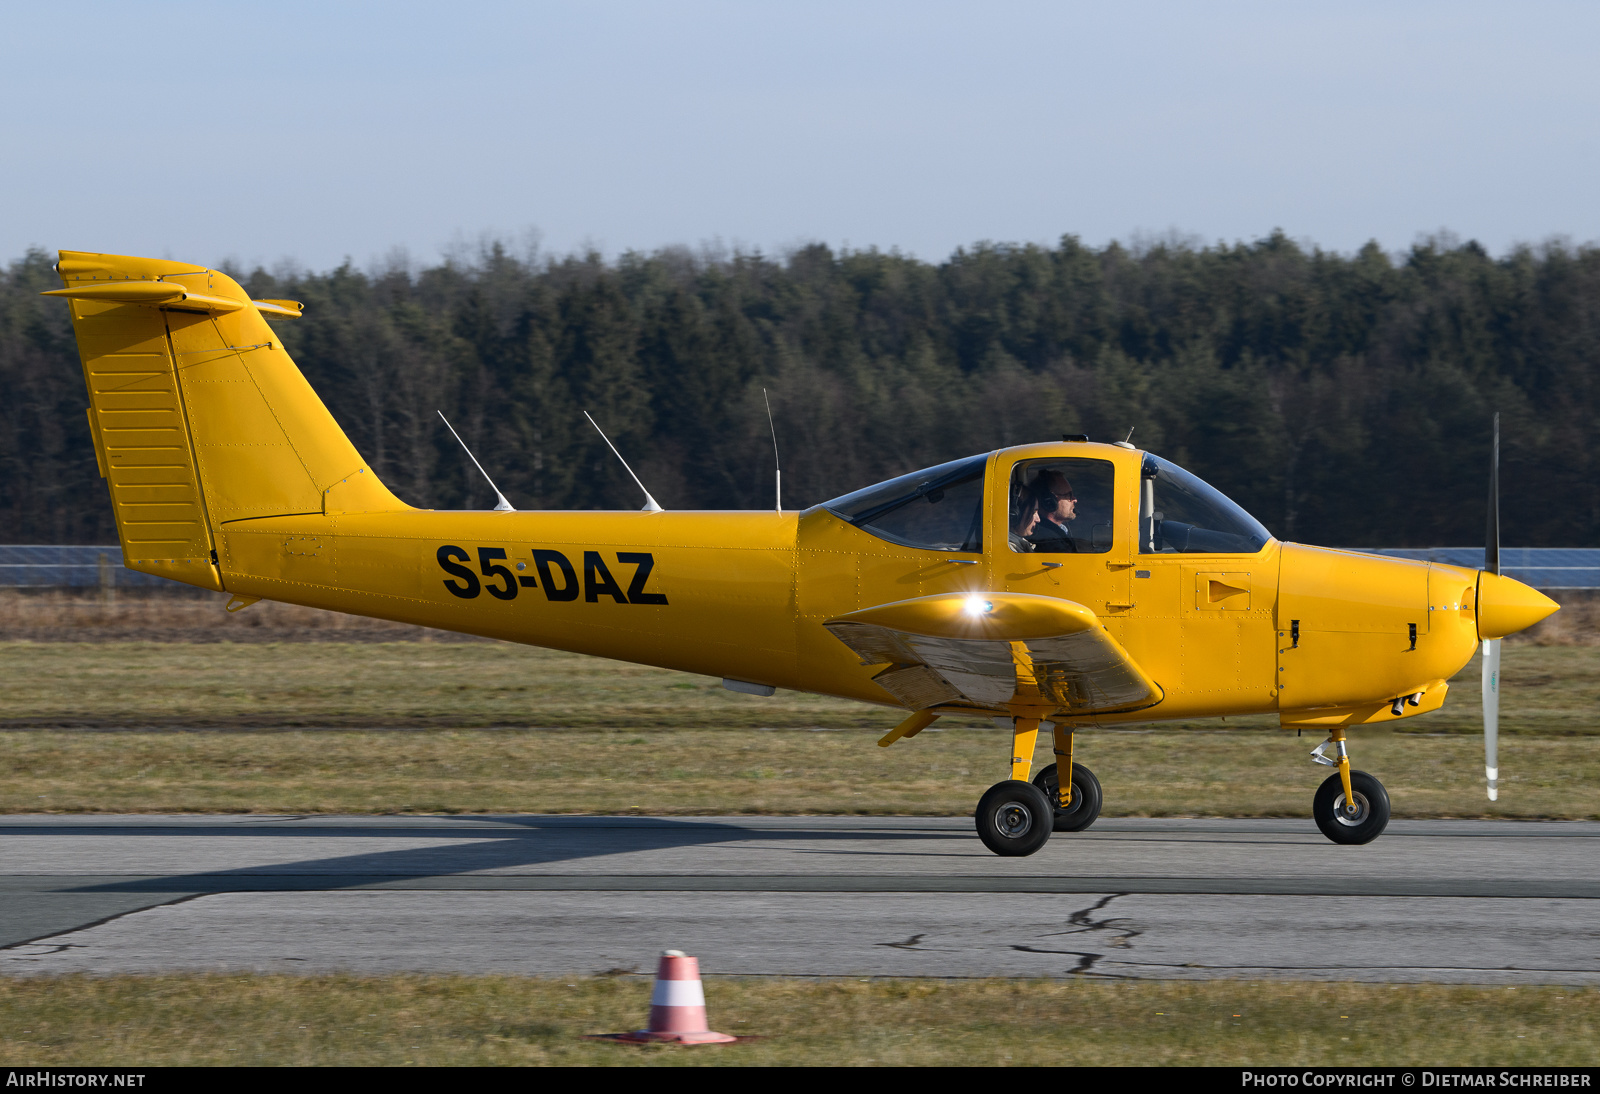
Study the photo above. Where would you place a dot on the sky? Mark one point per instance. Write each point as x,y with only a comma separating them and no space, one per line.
308,133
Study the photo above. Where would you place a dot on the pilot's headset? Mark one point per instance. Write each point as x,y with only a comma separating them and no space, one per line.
1024,496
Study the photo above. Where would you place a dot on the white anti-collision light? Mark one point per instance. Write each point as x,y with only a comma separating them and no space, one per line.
977,605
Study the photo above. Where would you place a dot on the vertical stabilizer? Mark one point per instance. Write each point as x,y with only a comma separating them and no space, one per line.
199,415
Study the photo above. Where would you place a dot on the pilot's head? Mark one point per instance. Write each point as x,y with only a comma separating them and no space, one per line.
1057,502
1025,514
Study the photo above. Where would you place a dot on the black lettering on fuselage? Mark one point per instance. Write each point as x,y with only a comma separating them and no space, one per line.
491,568
645,563
597,580
469,587
556,575
543,559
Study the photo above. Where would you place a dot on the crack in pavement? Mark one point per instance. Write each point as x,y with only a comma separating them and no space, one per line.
1081,923
59,947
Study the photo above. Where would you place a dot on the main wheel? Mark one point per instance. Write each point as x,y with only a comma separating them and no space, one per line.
1086,797
1013,818
1371,814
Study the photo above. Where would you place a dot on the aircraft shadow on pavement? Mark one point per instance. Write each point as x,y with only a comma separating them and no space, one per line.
533,842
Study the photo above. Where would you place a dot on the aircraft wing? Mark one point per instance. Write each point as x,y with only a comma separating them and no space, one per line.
994,649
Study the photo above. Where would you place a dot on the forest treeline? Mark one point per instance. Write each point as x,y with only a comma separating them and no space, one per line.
1343,399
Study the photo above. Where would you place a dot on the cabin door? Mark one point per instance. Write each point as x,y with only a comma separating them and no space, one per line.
1058,532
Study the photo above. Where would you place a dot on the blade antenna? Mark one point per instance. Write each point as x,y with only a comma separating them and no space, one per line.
777,465
650,504
1491,646
501,505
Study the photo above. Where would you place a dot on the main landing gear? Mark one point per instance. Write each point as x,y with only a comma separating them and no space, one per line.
1016,817
1352,806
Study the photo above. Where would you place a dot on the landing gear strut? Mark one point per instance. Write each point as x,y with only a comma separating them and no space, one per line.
1078,803
1352,806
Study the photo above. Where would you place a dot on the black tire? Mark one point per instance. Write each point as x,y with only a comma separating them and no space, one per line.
1013,818
1372,809
1086,797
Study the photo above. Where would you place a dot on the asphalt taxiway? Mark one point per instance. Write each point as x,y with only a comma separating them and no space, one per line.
1455,901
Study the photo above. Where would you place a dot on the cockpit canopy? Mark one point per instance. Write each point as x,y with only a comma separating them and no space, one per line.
1061,504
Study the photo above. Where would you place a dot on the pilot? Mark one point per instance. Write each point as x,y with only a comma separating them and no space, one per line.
1025,518
1058,505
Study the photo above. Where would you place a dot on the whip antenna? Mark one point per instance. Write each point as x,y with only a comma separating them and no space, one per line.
501,505
777,465
650,504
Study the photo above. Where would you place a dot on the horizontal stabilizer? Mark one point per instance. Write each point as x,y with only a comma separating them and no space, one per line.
996,650
280,309
172,296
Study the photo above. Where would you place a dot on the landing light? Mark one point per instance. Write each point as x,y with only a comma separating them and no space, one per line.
977,606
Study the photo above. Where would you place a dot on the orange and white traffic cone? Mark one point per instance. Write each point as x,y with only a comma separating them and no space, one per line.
678,1005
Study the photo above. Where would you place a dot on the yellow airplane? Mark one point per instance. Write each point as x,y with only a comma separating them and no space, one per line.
1055,587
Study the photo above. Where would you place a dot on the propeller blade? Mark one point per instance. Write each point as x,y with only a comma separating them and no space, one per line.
1491,715
1491,539
1491,646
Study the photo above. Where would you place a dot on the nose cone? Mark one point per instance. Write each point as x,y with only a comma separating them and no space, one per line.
1506,606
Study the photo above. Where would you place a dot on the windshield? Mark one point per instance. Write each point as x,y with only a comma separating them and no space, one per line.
938,509
1180,513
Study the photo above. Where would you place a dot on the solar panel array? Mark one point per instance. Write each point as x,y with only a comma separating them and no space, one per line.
79,567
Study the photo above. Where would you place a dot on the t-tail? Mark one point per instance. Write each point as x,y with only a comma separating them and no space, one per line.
198,414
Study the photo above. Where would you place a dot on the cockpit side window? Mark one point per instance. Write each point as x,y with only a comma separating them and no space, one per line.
1179,512
937,509
1061,506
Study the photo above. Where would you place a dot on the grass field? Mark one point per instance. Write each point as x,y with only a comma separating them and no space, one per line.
211,727
130,1022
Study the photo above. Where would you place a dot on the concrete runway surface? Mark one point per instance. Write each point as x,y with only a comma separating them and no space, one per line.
1459,901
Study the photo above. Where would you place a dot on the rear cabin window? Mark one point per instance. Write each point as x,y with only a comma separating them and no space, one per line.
1061,506
937,509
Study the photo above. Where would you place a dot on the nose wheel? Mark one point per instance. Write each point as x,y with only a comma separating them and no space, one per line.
1359,818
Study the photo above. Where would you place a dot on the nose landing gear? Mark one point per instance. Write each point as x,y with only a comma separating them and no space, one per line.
1352,806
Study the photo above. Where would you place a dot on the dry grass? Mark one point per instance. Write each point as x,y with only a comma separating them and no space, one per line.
137,1021
1546,690
720,771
